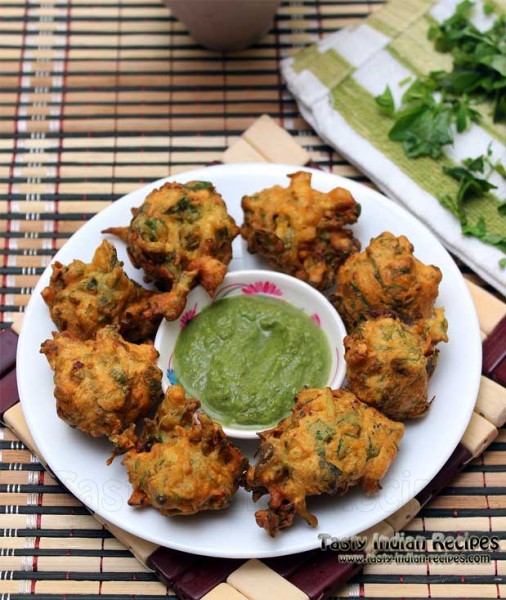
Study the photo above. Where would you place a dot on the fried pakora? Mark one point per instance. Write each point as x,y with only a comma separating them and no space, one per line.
301,230
330,442
84,297
388,363
181,232
432,331
183,463
103,385
386,280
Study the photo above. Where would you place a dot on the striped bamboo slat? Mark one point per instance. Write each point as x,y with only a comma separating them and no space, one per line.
94,105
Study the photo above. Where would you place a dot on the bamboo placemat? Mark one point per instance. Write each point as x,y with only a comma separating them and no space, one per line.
88,96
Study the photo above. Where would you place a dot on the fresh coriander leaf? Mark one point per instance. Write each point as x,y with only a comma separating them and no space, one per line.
460,81
450,203
457,173
423,131
464,113
502,263
478,230
500,106
386,101
461,119
496,62
471,187
488,8
499,168
420,92
433,32
475,164
469,183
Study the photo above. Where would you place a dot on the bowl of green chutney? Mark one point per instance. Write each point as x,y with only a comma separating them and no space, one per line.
247,352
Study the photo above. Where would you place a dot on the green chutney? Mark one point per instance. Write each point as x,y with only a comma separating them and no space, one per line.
246,357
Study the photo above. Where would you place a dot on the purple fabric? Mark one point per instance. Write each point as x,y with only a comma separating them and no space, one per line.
324,575
494,353
171,564
8,346
204,576
8,392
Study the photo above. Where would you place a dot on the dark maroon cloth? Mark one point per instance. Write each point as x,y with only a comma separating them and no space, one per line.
286,565
171,564
494,353
204,576
8,346
499,373
8,392
324,574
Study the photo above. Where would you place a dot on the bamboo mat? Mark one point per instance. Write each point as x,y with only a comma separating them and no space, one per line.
97,99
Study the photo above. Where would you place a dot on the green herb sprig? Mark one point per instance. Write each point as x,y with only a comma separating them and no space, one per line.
472,186
433,104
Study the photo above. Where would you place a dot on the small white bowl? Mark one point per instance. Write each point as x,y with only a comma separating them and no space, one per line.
264,283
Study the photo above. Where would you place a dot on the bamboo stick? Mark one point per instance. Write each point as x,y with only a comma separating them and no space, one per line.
490,310
140,548
137,588
22,478
421,590
399,519
453,502
63,522
491,402
224,591
24,499
61,207
453,524
478,435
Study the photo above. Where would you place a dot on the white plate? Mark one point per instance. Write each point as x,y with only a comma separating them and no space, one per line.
79,462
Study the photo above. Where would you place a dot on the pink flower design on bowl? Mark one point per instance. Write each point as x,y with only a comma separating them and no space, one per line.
262,287
187,316
316,319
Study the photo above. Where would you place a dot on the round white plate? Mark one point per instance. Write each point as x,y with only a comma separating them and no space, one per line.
80,462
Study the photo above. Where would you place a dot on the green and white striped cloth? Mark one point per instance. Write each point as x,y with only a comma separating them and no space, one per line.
335,82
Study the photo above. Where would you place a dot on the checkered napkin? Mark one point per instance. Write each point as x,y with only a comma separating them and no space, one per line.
335,82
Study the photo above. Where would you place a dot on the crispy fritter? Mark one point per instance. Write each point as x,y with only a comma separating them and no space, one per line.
432,331
388,363
104,385
181,232
330,442
301,230
183,463
386,280
82,298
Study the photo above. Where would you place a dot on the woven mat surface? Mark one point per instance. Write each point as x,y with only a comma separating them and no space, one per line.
96,99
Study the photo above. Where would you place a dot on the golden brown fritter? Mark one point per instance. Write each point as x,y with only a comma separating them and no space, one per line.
104,385
301,230
83,298
432,331
183,463
181,232
330,442
388,363
386,280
